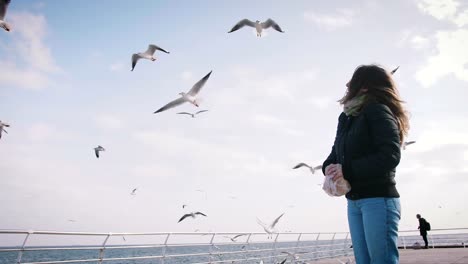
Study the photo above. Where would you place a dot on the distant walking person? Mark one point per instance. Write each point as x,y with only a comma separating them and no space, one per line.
423,227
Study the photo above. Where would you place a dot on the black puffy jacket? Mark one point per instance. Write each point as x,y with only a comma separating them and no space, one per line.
368,148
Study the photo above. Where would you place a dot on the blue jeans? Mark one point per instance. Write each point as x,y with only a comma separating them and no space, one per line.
373,223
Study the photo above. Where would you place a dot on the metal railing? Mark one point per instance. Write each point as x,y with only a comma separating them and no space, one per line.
41,247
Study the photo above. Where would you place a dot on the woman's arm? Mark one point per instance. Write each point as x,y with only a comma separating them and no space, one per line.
332,156
385,135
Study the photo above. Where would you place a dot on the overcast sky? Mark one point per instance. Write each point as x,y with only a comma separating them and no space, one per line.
66,87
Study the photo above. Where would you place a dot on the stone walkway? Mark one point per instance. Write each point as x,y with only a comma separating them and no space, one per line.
422,256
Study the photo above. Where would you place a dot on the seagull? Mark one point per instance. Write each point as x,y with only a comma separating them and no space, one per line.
3,9
259,26
71,220
3,125
408,143
148,54
187,97
394,70
97,150
294,256
193,115
270,229
349,261
134,191
192,214
184,205
233,239
312,169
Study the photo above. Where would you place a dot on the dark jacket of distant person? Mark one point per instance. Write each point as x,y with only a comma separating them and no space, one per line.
368,147
422,226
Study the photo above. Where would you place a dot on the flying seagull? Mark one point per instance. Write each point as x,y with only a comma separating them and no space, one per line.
259,26
192,214
190,114
294,256
2,126
233,239
97,150
134,191
270,229
408,143
312,169
148,54
187,97
349,261
3,10
394,70
184,205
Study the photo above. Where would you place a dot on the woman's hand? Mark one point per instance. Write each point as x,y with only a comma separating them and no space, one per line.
334,170
338,172
330,169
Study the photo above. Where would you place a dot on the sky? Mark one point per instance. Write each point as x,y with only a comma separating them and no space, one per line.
66,87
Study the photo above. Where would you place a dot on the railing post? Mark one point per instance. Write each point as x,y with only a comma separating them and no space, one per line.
316,245
333,244
211,247
404,242
165,248
297,242
432,240
247,244
101,252
20,254
274,247
345,251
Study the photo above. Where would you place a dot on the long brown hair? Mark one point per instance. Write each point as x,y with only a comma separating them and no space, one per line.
380,88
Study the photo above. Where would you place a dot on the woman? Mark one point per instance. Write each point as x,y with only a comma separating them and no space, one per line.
366,151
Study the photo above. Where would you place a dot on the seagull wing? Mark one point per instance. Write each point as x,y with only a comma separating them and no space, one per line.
172,104
154,48
319,167
276,221
135,58
5,130
151,49
184,113
271,23
197,87
284,261
3,8
300,165
396,69
261,223
200,213
410,142
183,217
201,111
236,236
242,23
96,151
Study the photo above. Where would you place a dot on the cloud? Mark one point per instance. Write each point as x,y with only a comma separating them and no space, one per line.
186,75
341,19
440,9
452,58
41,132
116,67
107,121
419,42
445,10
27,36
